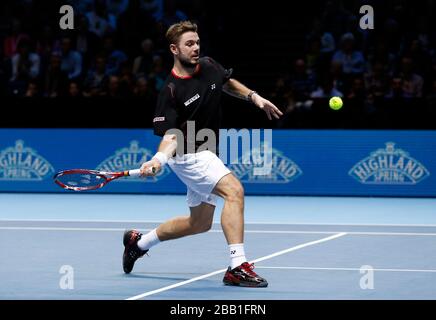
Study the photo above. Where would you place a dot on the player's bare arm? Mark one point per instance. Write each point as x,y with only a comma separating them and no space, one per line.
166,150
236,89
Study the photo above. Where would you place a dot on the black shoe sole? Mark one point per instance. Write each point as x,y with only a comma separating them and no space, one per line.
124,268
246,285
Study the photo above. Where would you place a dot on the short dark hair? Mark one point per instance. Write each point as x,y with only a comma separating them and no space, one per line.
176,30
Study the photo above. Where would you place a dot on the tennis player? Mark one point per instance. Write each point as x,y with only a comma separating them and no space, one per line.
192,92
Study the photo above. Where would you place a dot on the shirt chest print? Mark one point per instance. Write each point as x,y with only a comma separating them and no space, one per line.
196,96
191,100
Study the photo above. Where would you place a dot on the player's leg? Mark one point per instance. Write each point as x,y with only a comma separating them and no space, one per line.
232,216
136,244
240,272
200,220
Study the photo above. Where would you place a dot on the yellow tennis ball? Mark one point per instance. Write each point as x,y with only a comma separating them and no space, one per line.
335,103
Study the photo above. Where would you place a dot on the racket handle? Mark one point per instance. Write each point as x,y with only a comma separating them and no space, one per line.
137,172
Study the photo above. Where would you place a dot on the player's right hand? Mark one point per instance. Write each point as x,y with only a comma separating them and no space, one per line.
147,168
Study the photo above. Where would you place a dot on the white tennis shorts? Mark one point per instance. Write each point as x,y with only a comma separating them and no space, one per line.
200,172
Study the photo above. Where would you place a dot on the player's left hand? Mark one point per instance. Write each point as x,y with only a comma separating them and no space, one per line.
267,106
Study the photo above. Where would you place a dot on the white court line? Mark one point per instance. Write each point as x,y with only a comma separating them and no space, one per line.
84,221
65,229
217,222
307,244
348,232
220,231
348,269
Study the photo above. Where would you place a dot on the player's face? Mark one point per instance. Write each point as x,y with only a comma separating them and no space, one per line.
188,49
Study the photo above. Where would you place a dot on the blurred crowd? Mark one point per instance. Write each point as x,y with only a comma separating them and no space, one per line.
118,49
396,61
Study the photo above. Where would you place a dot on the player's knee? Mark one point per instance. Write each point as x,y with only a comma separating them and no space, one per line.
206,226
200,226
236,192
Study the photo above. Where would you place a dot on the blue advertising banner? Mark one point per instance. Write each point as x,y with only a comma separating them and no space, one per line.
304,162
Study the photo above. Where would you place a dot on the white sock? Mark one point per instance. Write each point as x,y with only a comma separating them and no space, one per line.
237,255
148,240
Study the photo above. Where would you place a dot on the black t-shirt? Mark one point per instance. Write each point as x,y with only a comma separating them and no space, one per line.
194,98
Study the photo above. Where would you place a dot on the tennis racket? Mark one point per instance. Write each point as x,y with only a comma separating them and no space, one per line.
83,179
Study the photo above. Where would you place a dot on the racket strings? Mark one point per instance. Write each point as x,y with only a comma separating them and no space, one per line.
81,180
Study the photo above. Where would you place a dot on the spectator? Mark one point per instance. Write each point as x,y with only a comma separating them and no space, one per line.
301,81
420,57
412,82
113,88
25,64
171,14
392,35
289,108
313,55
377,81
142,88
71,62
85,41
96,78
326,90
46,44
280,91
357,91
32,90
55,79
353,61
12,40
328,43
396,89
74,90
100,21
114,57
360,35
382,55
154,8
142,64
134,25
127,81
116,7
335,17
339,83
158,73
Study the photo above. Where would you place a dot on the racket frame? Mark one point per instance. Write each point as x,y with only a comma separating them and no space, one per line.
105,176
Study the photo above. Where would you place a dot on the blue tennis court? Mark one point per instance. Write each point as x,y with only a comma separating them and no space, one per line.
69,246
